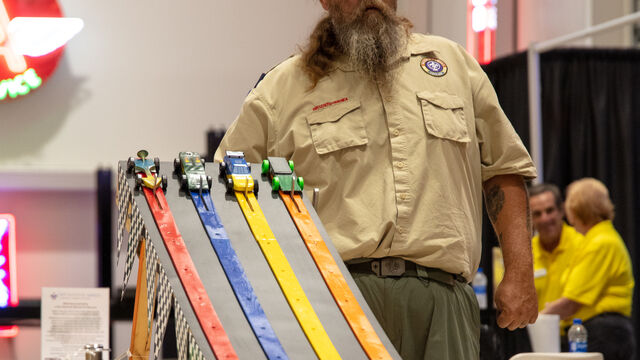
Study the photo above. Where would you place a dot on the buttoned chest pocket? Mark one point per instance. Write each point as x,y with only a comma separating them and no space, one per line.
337,127
444,116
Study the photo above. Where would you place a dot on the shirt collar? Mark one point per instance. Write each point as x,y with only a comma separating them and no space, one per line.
602,226
563,244
416,47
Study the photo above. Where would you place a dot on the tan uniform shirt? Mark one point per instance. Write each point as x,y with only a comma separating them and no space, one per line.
400,169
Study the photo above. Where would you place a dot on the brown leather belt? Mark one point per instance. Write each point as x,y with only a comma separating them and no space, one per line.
396,267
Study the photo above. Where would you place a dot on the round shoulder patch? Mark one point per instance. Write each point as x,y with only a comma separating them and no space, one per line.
434,67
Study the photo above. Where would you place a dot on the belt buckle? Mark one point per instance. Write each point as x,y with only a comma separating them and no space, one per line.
388,267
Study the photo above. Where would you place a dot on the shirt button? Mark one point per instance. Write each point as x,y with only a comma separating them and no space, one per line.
388,99
396,132
400,164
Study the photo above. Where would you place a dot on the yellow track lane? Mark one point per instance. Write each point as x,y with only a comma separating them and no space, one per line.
287,280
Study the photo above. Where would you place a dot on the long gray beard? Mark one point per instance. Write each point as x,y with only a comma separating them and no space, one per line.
372,44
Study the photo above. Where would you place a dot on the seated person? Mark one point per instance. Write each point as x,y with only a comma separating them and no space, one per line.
599,286
553,247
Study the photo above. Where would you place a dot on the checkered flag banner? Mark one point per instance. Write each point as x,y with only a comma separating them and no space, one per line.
194,351
132,245
165,295
151,267
124,195
182,331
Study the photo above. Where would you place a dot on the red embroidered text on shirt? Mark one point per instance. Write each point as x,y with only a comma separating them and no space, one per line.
329,104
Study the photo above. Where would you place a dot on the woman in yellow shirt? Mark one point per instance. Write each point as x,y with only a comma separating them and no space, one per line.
600,285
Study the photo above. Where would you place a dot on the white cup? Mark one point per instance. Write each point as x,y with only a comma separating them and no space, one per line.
545,333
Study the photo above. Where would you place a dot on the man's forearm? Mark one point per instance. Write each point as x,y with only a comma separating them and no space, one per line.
508,208
563,307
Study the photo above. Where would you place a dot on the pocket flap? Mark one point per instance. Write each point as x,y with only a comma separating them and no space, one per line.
440,99
332,112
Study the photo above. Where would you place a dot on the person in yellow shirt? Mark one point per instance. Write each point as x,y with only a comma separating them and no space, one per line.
600,283
554,246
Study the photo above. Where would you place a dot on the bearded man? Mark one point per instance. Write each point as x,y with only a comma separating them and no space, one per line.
401,133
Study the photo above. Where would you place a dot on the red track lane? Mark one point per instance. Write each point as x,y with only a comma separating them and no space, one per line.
206,315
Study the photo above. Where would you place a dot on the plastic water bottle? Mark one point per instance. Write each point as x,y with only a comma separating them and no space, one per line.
479,284
577,337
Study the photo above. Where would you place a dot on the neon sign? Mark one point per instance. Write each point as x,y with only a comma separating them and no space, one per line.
32,37
8,277
482,22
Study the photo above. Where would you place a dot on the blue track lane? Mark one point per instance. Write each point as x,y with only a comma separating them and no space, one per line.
237,278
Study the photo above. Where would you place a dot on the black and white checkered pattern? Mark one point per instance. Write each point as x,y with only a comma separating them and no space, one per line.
165,296
182,331
124,196
151,275
194,351
137,225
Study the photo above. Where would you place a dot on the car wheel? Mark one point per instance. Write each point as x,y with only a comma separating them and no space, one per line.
176,166
183,182
138,183
275,183
164,182
131,163
256,187
222,167
291,164
156,162
300,181
265,166
230,185
209,181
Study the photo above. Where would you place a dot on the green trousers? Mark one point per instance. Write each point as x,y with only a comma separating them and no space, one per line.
424,318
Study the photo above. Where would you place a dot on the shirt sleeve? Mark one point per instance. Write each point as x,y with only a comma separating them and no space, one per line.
501,149
251,132
590,274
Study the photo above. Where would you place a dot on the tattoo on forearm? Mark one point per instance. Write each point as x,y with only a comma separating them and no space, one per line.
495,202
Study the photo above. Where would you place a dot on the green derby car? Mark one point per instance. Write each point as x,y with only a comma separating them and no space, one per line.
191,168
282,176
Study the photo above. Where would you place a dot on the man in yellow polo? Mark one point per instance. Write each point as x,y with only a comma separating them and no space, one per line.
554,246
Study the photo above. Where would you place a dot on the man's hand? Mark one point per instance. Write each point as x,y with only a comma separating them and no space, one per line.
508,208
516,302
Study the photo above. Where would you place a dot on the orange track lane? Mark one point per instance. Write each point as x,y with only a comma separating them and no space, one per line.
332,275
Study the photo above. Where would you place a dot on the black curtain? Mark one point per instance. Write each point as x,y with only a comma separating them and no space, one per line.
590,122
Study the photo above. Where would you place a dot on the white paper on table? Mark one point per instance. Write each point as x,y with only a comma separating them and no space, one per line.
72,318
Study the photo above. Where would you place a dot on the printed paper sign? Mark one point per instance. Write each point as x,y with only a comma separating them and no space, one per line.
72,318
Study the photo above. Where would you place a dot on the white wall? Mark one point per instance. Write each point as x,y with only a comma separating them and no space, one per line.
546,19
152,74
448,18
417,12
